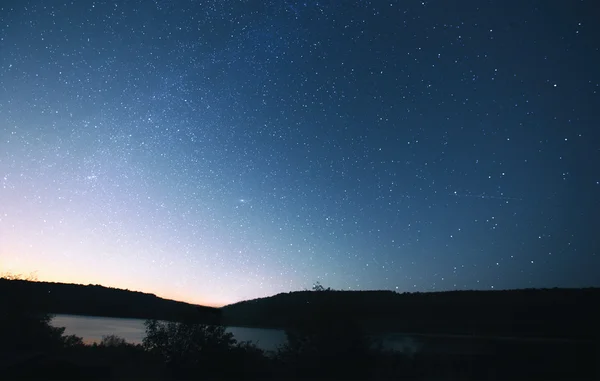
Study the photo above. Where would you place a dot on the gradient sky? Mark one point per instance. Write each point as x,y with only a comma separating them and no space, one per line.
215,151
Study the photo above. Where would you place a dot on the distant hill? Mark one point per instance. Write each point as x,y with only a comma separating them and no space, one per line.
96,300
540,313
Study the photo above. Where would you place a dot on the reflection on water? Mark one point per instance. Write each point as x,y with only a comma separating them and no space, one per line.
401,343
92,328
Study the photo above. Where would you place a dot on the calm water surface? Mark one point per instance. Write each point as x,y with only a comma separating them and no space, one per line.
92,328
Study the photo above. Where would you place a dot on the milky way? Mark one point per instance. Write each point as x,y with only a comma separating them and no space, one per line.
217,151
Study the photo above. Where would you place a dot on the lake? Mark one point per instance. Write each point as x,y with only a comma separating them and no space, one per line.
92,328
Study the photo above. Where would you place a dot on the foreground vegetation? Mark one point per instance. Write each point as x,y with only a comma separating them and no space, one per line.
319,345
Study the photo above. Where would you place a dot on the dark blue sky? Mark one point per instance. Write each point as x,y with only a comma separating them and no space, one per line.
214,151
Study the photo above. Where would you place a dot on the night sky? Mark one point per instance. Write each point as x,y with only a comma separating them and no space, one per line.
215,151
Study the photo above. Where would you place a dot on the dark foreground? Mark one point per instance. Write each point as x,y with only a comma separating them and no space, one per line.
321,345
120,361
31,349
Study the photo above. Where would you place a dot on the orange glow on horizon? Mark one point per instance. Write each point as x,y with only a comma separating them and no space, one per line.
43,276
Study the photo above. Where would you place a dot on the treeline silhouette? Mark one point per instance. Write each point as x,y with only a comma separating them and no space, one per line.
323,343
96,300
542,313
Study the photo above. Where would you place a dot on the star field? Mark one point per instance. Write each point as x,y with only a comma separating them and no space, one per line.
214,151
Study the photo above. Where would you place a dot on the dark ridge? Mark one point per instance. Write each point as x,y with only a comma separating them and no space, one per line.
96,300
528,313
556,313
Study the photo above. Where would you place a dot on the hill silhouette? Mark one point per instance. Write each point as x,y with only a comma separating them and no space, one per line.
96,300
329,335
527,313
535,313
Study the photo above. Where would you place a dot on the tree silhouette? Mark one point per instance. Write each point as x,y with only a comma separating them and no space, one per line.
190,349
319,287
25,324
321,343
113,341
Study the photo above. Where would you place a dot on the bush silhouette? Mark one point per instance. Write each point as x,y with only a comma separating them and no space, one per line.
321,343
113,341
24,323
191,349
